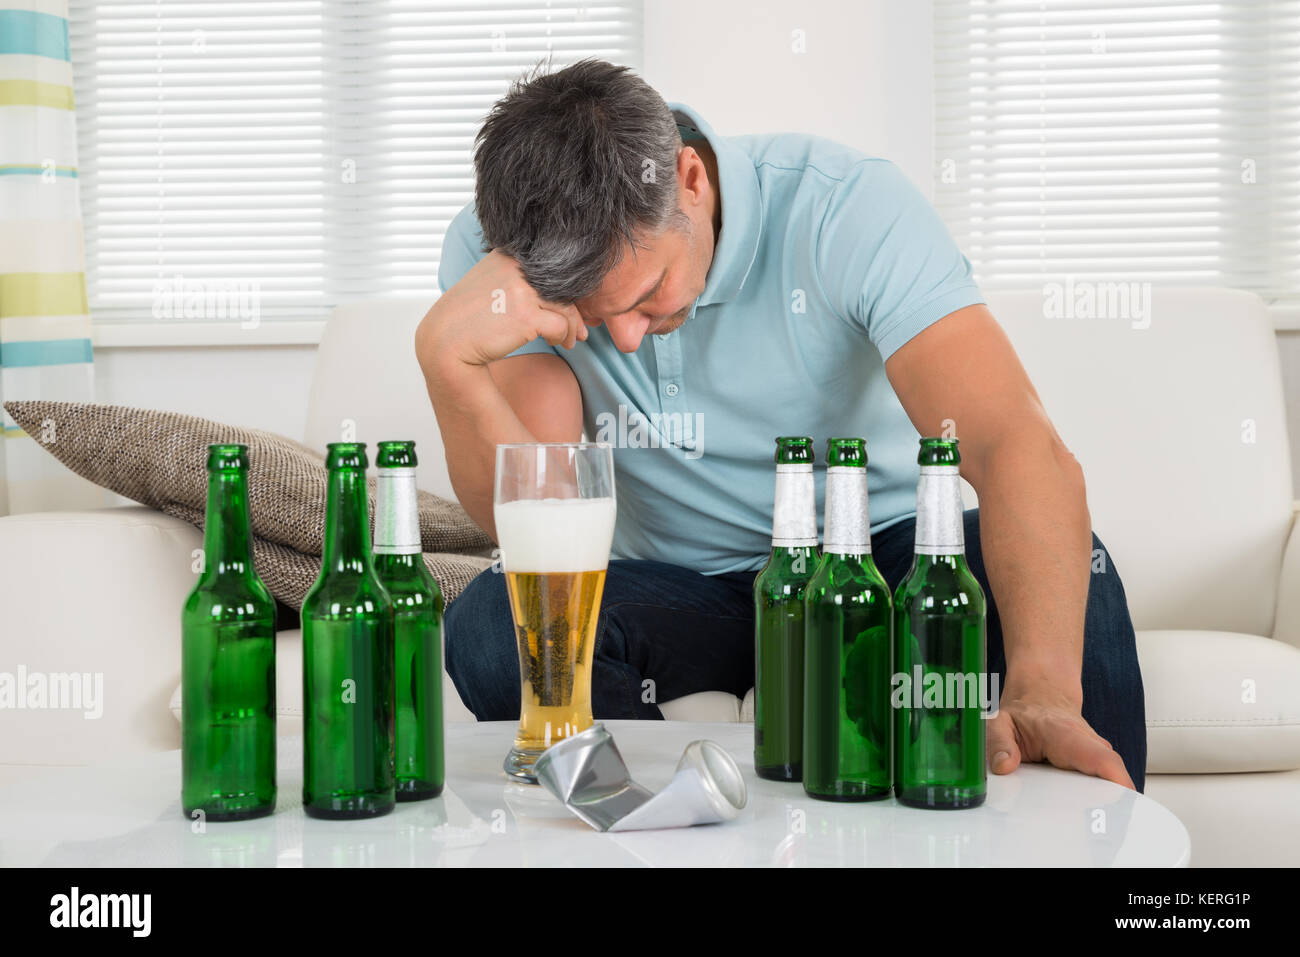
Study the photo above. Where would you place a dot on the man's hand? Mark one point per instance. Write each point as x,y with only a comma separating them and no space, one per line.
1036,721
489,314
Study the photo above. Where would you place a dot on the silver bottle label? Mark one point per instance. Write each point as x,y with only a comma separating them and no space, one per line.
848,524
794,516
397,518
939,520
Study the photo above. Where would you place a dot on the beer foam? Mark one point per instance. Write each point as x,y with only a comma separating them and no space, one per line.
555,534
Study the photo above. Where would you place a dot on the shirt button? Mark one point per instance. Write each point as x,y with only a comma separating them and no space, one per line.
671,389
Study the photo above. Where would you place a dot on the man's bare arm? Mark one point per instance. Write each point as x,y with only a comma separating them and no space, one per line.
1035,531
521,399
482,399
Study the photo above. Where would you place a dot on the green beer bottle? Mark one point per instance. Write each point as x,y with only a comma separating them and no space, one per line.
228,661
940,655
779,614
848,646
417,613
347,659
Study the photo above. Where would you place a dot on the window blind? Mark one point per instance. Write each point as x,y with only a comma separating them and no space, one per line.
312,150
1127,141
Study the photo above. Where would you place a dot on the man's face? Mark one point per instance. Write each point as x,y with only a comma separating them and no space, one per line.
654,285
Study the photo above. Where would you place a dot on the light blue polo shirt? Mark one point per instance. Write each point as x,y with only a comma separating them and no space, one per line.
827,262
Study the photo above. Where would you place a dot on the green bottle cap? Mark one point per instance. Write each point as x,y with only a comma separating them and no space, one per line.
396,455
346,455
794,450
846,453
938,452
225,457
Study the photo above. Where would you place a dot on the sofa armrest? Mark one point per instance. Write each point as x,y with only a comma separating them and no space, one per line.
1219,702
90,614
1286,623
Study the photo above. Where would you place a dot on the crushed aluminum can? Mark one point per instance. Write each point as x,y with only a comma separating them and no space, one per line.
587,773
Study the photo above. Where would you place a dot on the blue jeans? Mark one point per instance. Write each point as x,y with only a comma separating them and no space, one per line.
666,631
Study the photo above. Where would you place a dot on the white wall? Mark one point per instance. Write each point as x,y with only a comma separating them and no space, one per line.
863,77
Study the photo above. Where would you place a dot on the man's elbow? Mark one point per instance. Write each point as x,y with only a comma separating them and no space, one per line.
422,340
1034,450
1070,468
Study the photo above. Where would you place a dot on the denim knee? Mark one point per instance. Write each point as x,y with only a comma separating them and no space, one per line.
482,656
1108,623
1113,699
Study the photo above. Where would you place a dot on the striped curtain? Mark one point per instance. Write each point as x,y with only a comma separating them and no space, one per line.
45,350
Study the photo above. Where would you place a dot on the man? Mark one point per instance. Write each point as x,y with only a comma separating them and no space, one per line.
744,288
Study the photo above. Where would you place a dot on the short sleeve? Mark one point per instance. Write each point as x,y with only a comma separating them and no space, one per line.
462,247
886,260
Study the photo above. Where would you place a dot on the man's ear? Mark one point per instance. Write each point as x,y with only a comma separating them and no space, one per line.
692,175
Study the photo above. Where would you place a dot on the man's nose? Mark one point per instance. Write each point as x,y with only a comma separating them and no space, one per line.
628,331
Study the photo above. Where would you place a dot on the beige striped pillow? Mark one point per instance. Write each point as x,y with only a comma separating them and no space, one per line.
159,459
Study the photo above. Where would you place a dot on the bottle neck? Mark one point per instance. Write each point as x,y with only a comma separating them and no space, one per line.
347,536
940,527
848,524
398,560
397,518
227,538
792,563
794,514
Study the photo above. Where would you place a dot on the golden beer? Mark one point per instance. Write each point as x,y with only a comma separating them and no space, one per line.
555,620
554,552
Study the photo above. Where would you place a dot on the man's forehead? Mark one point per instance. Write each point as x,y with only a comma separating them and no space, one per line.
635,273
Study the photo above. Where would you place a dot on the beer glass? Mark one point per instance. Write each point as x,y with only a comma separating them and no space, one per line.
554,512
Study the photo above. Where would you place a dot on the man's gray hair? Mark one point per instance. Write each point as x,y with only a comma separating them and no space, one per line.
570,167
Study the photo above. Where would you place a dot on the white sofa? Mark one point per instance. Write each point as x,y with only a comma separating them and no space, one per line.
1198,518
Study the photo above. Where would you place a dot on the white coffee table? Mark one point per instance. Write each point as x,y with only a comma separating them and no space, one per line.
128,814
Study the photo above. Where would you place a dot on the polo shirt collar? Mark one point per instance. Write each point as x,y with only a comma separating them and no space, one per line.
742,212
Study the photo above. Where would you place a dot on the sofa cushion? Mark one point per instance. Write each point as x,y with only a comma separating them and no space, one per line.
1162,442
1219,701
159,459
97,594
702,706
